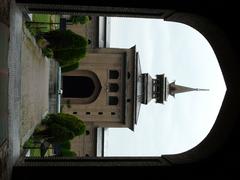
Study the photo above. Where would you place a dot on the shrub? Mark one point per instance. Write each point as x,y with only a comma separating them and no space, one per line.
58,133
66,120
67,46
41,42
47,52
68,153
67,56
65,39
80,19
70,67
66,145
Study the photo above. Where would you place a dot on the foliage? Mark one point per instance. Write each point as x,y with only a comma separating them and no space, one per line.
41,42
67,46
68,121
59,128
68,56
66,145
47,52
67,153
70,67
80,19
65,40
58,133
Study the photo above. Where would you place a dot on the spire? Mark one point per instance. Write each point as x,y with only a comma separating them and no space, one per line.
175,89
159,88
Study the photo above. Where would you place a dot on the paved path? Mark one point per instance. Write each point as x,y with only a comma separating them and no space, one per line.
28,74
14,86
34,86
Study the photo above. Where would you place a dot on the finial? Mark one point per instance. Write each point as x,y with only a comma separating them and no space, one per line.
197,89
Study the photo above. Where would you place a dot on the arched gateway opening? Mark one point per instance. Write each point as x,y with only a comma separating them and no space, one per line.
77,86
220,141
80,86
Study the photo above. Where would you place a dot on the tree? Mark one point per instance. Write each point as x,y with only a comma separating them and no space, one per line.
67,46
59,128
70,67
80,19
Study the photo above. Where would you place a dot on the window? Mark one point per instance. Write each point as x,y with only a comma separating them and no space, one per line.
113,113
113,87
87,132
128,75
128,100
113,100
88,113
74,112
113,74
100,113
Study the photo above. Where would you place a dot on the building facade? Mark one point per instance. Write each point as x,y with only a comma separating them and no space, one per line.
102,91
107,90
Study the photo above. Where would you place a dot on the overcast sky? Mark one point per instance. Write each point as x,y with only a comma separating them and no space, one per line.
184,55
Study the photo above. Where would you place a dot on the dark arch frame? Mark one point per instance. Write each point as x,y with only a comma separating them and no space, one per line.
214,150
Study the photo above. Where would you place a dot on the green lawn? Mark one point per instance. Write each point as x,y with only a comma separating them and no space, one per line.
35,153
44,19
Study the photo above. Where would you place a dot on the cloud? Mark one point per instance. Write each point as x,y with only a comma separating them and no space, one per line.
185,56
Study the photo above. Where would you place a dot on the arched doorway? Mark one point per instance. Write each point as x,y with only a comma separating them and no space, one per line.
80,87
77,86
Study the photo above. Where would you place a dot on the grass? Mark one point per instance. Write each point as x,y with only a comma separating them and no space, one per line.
35,150
44,19
35,153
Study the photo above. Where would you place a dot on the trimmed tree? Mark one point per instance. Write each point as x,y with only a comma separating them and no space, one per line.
70,67
67,46
80,19
59,128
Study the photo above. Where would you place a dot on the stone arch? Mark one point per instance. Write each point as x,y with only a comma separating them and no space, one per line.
224,41
94,86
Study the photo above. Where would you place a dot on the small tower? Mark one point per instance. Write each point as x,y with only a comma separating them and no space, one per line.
160,88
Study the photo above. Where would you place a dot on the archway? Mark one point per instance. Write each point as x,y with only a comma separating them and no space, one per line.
224,134
77,87
81,86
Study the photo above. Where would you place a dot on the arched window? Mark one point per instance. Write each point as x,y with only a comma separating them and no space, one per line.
113,74
87,132
113,100
113,87
128,75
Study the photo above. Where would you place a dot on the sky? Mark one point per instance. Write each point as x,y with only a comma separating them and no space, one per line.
184,55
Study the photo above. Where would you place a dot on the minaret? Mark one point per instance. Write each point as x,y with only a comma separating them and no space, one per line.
160,88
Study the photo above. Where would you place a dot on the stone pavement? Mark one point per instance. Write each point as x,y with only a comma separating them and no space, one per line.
34,86
14,85
24,86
